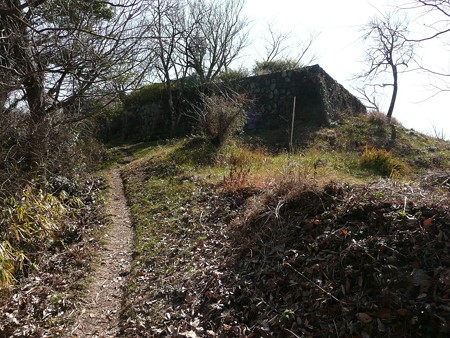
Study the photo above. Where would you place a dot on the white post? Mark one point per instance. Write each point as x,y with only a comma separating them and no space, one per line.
292,127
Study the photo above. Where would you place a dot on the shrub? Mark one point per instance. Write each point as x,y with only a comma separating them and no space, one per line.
233,75
9,260
220,116
381,162
267,67
238,177
145,95
28,223
379,118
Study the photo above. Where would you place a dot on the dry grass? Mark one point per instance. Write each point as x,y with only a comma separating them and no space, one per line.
243,241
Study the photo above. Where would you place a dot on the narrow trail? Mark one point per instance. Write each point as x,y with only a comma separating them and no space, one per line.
99,317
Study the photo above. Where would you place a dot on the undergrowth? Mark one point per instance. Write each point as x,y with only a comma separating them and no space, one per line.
203,215
30,221
47,244
34,222
209,218
418,151
381,162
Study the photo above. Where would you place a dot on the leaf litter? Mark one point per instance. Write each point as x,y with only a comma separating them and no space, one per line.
299,260
45,302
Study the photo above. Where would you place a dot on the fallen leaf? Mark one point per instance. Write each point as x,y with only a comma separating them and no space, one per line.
427,222
189,334
364,317
425,286
402,312
226,327
348,285
344,232
384,313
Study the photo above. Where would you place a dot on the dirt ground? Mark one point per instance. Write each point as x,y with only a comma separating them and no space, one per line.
100,315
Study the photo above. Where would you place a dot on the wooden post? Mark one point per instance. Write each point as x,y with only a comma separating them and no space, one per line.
292,128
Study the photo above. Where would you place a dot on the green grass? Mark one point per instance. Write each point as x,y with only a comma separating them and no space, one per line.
419,151
164,179
161,186
166,175
169,185
158,196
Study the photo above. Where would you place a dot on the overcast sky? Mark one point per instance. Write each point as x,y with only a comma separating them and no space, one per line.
340,51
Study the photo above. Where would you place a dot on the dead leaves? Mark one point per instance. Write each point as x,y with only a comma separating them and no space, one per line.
44,303
340,262
364,318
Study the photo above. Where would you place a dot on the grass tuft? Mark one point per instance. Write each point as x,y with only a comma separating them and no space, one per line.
381,162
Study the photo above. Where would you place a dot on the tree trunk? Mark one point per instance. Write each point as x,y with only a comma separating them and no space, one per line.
38,128
33,84
173,118
394,93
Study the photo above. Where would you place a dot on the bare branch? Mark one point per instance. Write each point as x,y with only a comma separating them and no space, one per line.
370,98
387,52
59,52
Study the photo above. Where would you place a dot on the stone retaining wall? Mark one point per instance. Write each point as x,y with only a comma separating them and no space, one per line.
320,100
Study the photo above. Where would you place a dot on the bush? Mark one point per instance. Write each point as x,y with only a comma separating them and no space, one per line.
379,118
140,97
233,75
28,223
220,116
381,162
267,67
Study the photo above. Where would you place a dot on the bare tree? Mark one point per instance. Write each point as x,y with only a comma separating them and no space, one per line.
282,46
370,98
56,54
282,51
200,37
276,44
436,27
388,52
215,34
167,31
441,26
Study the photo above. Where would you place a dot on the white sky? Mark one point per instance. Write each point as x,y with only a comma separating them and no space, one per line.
340,52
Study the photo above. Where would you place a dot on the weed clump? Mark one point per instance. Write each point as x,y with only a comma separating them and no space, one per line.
27,223
376,117
381,162
219,117
238,177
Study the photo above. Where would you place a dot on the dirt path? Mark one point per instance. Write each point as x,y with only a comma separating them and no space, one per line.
100,316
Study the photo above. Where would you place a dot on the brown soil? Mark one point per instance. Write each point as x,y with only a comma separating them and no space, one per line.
100,315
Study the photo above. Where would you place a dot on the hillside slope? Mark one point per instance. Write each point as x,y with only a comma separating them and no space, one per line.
242,242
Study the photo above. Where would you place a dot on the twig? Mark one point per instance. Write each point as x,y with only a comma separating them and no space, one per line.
200,220
365,250
335,327
277,209
292,333
396,251
318,286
